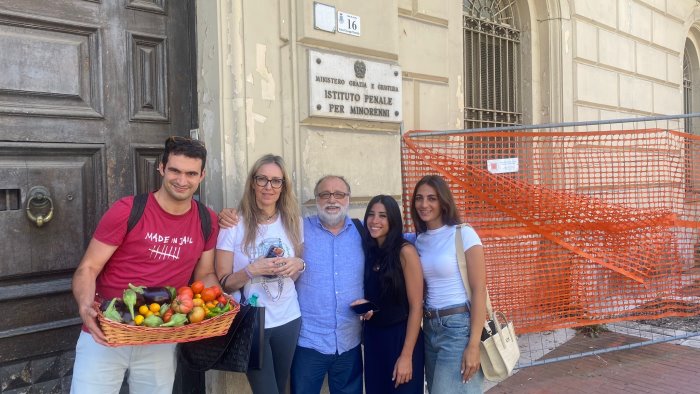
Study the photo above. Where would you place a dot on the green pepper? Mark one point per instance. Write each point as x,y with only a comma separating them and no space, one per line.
177,320
215,311
219,310
112,313
164,308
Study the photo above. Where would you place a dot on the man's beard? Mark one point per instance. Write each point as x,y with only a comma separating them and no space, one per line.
332,220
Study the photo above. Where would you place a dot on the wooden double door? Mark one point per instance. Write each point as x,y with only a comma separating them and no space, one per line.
89,90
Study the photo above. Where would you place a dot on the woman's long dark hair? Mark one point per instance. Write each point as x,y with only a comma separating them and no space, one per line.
387,257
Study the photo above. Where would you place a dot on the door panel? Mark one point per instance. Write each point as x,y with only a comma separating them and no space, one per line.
49,68
148,82
89,90
146,161
73,176
30,336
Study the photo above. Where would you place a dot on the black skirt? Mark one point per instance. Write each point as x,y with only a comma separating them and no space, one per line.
382,346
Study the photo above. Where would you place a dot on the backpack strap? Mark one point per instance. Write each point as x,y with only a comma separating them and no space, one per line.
139,206
360,228
137,209
205,219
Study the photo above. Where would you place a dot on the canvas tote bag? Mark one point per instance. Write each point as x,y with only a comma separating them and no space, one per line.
499,349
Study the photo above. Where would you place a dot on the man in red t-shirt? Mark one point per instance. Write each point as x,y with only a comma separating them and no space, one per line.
163,249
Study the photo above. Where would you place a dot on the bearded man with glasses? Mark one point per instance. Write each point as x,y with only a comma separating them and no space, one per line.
329,340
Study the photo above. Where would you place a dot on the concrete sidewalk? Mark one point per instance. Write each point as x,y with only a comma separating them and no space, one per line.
659,368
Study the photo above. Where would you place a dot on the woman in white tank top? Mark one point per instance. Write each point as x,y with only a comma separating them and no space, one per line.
452,323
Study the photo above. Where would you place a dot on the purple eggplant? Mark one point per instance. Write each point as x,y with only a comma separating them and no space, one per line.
159,295
118,305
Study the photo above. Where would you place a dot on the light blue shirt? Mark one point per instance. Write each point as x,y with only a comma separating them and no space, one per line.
333,279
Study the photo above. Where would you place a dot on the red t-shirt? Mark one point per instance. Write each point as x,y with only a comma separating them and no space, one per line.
161,250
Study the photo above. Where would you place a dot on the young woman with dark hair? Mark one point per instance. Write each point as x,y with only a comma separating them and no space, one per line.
393,281
452,323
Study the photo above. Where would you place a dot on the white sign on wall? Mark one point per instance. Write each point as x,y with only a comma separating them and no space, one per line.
350,87
502,166
348,24
324,17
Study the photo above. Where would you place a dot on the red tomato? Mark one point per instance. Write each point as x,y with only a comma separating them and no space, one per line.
182,304
185,290
221,299
197,286
217,289
209,294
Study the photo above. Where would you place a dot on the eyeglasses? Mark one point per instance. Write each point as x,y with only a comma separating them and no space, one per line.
262,181
177,140
336,195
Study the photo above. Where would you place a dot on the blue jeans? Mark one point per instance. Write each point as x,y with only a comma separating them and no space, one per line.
445,341
309,368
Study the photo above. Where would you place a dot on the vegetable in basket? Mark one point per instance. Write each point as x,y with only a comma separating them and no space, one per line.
167,315
152,321
127,318
182,304
177,320
196,315
218,310
158,295
129,298
112,313
172,291
118,305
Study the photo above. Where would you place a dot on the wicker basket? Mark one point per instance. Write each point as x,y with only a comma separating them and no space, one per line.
120,334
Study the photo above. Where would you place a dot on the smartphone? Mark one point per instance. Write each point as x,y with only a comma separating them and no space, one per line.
274,251
363,308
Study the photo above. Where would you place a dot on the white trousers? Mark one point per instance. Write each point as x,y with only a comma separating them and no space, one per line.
100,369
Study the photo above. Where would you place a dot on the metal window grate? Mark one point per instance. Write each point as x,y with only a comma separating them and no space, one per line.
491,65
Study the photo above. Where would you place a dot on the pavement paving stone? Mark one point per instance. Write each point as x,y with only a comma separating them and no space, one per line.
659,368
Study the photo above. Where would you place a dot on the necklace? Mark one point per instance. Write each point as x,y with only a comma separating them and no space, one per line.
269,218
280,287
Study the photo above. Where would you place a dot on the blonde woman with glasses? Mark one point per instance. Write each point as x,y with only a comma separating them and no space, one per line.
270,225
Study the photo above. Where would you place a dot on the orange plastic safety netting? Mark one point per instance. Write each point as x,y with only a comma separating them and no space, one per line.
579,227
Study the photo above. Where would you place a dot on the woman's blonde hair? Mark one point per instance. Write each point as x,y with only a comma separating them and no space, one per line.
287,206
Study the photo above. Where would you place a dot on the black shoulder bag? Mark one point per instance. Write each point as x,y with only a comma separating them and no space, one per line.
230,352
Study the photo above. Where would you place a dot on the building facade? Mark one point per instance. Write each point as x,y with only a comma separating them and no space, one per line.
89,89
466,64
